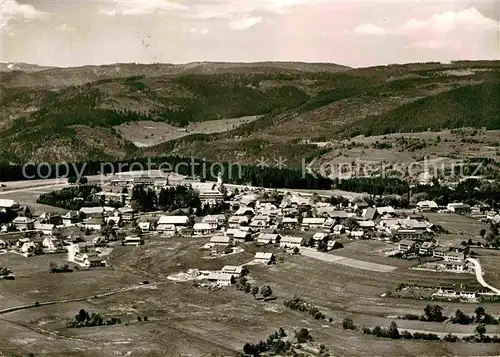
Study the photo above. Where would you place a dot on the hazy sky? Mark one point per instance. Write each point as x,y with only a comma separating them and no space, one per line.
355,33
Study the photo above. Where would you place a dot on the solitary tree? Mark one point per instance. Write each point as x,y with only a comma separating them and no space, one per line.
480,331
255,291
393,331
303,335
266,291
348,324
480,312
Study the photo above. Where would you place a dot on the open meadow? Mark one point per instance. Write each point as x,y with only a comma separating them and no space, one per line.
185,319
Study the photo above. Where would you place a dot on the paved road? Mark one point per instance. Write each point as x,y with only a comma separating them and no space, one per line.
479,275
349,262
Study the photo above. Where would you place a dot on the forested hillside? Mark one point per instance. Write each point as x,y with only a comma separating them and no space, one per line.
296,101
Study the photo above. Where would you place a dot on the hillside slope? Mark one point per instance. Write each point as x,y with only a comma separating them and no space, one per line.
296,101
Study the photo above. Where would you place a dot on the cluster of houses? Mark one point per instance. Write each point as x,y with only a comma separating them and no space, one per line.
452,259
481,212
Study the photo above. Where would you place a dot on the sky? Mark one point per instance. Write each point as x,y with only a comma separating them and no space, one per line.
354,33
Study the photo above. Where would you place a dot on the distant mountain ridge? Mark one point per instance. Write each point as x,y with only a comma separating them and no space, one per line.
23,67
23,75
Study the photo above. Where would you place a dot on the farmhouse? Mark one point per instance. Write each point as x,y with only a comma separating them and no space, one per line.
328,225
406,245
268,238
70,218
427,205
242,236
291,242
455,265
460,208
232,270
45,229
203,228
368,214
440,252
215,220
426,248
127,214
51,243
388,210
289,222
9,204
165,223
24,223
260,222
108,197
94,224
221,240
236,221
313,222
357,233
166,229
133,240
454,257
261,257
92,211
50,218
220,279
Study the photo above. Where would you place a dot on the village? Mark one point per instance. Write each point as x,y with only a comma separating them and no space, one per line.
229,218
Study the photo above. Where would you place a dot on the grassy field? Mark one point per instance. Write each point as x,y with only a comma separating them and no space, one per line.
187,320
148,133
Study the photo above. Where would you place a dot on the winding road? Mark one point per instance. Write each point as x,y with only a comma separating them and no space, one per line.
479,275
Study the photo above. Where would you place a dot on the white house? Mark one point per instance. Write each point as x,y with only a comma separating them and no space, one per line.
236,221
454,257
427,205
268,238
220,278
94,224
291,242
179,222
203,228
265,258
359,233
455,265
24,223
92,211
145,226
460,208
232,270
166,229
221,240
313,222
50,243
289,222
45,229
133,240
242,236
27,247
10,204
388,210
127,214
